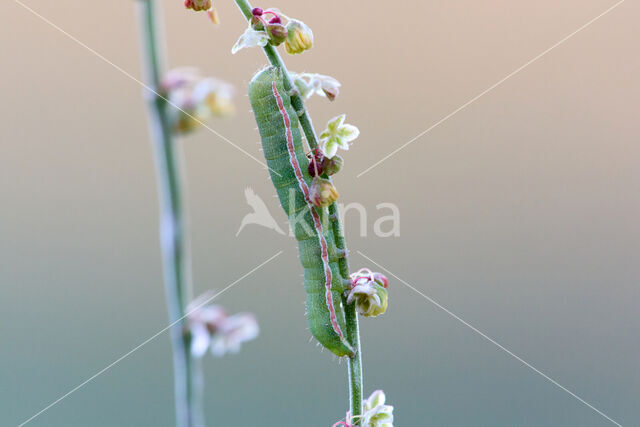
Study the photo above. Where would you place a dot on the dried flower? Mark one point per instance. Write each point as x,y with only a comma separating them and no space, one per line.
250,38
322,193
300,37
310,83
368,290
337,134
210,327
195,98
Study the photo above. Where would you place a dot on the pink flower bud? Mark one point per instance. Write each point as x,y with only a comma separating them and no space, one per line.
316,163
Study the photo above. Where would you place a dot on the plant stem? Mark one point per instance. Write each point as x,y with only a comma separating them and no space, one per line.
351,318
175,255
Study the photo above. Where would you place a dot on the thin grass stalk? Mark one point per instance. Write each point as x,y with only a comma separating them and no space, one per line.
173,239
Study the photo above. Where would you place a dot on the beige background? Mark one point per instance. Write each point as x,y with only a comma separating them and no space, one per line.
519,214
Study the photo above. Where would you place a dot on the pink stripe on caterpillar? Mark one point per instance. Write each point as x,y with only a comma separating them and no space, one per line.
316,219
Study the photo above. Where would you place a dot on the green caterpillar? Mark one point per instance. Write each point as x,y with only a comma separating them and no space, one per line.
288,166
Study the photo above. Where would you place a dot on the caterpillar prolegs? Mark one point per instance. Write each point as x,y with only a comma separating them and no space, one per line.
282,145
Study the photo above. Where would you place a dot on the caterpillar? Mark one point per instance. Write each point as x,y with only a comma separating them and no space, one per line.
288,167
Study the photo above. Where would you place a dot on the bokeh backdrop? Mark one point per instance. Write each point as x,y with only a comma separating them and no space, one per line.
519,214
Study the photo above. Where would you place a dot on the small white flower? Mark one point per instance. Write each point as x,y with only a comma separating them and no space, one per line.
180,77
195,98
309,84
200,340
250,38
337,135
375,412
233,332
212,328
214,96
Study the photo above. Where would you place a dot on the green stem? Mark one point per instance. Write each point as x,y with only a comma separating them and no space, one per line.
175,255
351,318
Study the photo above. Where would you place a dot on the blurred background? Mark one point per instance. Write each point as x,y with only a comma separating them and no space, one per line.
519,214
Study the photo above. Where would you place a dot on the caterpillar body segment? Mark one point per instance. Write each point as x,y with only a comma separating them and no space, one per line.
282,145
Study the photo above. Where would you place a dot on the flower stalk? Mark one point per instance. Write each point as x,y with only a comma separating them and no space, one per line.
351,318
175,254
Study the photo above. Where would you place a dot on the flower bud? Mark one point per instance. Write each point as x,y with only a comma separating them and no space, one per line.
332,166
375,412
194,99
374,304
256,23
277,33
322,193
315,168
300,37
368,291
316,162
198,5
257,11
209,327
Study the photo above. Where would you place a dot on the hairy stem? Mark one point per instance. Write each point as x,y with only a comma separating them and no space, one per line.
351,318
175,255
